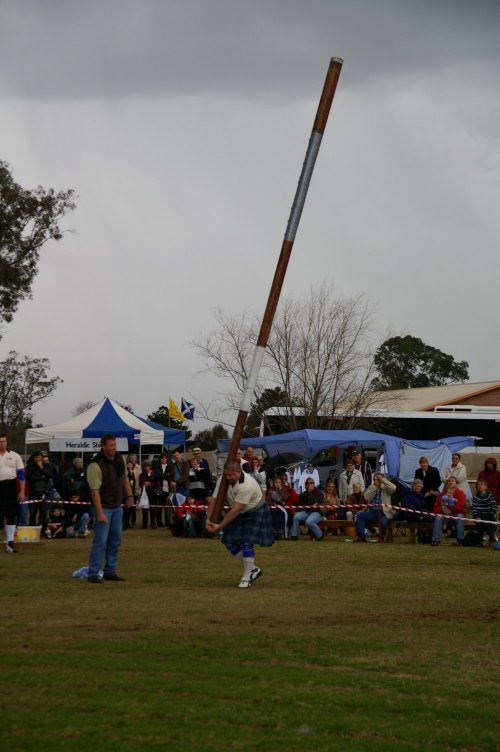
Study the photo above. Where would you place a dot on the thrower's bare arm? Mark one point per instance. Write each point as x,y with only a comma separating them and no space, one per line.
214,527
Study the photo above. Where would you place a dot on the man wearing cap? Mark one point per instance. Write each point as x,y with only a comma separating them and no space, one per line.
363,466
12,482
201,460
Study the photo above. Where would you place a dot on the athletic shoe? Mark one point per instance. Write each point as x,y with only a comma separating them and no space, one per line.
255,574
48,533
113,576
94,578
245,583
294,537
9,548
434,543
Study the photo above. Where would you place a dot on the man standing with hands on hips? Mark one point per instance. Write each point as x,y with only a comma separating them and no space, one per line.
11,473
109,484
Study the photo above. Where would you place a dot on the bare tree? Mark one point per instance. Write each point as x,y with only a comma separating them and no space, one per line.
228,350
83,407
319,355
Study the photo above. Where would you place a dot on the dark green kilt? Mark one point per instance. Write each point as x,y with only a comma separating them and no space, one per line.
250,527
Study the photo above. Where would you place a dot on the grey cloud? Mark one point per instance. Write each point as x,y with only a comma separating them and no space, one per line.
57,49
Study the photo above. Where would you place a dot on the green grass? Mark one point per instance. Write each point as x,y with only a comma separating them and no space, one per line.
336,647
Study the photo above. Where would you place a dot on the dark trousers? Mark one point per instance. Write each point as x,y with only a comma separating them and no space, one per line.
151,515
129,516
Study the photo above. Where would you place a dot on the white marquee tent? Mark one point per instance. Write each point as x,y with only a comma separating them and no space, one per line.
83,432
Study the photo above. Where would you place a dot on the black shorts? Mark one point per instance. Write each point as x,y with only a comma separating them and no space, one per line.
9,504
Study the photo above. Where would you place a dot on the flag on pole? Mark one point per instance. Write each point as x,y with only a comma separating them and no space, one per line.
187,409
174,411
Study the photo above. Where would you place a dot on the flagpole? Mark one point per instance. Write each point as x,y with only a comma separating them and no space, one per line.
315,139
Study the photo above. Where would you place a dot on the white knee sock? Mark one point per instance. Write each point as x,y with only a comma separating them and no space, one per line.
10,531
248,565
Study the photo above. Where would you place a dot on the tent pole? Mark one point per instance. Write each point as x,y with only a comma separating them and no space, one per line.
315,139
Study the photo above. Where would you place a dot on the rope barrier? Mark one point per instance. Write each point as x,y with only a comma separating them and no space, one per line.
288,507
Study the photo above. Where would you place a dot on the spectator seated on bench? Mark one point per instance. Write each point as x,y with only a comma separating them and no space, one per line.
450,502
282,501
333,510
381,510
414,500
191,514
484,507
355,502
312,501
176,502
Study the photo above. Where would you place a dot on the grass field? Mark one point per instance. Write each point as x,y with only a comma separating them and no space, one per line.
337,647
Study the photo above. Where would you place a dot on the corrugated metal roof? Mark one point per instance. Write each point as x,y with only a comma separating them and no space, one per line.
426,398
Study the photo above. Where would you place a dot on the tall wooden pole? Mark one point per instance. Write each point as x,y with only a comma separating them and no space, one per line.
319,126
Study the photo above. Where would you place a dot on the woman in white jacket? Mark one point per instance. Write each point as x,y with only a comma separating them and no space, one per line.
458,471
347,479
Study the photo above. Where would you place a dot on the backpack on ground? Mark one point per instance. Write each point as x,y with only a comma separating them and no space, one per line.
473,538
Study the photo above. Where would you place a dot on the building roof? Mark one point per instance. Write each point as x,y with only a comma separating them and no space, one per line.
427,398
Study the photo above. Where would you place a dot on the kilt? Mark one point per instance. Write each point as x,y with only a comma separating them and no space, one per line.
250,527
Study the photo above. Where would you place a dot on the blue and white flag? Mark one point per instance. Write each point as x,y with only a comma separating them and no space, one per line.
187,409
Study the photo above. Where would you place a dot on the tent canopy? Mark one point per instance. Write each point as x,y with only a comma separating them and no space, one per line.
309,442
108,417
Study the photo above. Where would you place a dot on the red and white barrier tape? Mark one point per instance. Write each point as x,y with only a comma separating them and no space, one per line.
289,508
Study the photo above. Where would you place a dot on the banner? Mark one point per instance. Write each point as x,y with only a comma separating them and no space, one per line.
174,411
84,445
187,409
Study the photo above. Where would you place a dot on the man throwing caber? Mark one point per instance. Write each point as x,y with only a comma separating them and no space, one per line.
246,524
12,481
109,485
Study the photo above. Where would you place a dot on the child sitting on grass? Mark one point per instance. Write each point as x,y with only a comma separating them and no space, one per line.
77,519
55,526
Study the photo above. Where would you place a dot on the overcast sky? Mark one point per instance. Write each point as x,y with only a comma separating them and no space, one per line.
182,127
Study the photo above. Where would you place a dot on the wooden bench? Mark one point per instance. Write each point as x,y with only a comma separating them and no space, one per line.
414,527
348,526
394,527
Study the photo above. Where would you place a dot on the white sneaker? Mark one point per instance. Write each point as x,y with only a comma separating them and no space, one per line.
9,548
255,574
245,583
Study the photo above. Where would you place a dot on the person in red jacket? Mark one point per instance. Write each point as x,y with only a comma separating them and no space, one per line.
191,515
492,477
449,503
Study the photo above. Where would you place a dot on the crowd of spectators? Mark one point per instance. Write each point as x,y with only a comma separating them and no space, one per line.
172,492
